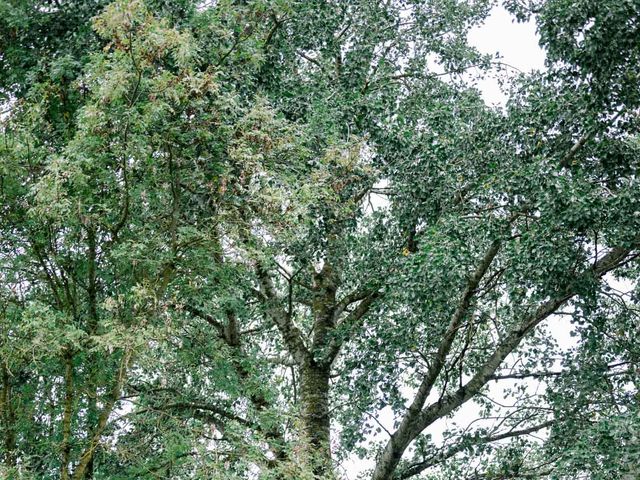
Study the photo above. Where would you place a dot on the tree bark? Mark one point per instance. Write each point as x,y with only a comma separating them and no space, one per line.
67,416
314,391
7,415
92,329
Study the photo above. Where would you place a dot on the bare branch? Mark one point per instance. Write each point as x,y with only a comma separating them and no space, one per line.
417,468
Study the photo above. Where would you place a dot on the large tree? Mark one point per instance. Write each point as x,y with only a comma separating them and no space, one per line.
251,239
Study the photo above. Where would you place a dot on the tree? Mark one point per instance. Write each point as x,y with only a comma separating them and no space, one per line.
237,234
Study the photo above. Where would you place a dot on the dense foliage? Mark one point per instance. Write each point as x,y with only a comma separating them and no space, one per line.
263,238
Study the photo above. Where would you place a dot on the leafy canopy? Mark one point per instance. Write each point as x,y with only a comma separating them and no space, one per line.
262,239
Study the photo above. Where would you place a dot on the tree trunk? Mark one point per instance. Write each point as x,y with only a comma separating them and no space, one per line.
315,416
67,416
87,456
92,329
7,415
391,456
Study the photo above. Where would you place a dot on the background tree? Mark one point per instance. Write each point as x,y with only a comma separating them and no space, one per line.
236,235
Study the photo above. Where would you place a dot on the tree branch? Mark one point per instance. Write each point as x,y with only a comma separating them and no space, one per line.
103,419
414,423
355,296
511,342
347,324
196,312
418,468
204,407
291,334
454,324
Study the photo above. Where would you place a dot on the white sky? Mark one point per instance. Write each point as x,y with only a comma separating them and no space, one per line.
516,44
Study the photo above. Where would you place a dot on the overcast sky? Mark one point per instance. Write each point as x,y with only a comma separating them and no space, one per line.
516,43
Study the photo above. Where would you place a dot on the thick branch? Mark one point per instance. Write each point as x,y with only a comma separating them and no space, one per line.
353,297
413,424
454,324
291,334
511,342
66,418
196,312
347,324
7,418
